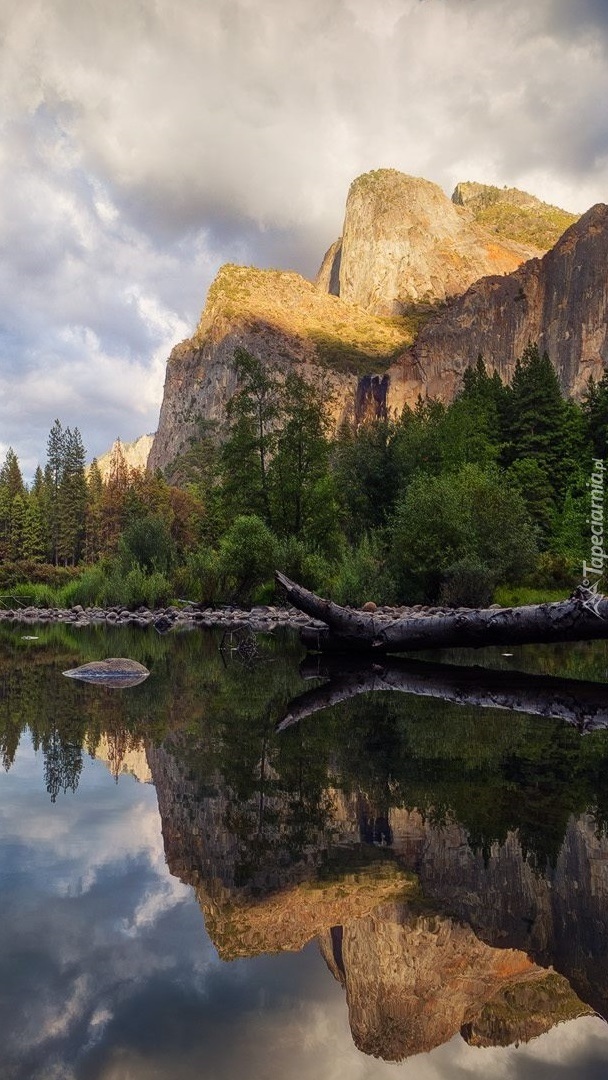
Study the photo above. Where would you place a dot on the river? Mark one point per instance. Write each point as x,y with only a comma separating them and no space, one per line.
394,888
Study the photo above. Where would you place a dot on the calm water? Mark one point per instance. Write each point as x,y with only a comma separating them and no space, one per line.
394,887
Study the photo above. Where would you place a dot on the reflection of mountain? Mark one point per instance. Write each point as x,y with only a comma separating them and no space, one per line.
267,882
414,980
470,953
556,914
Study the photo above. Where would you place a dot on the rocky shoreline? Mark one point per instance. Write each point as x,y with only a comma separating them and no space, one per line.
189,616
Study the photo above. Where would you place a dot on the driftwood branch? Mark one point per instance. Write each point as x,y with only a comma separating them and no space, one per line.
583,617
582,704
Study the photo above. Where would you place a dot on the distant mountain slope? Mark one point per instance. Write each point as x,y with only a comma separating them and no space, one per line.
514,214
135,454
408,248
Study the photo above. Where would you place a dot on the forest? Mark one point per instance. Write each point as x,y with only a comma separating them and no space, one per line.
487,498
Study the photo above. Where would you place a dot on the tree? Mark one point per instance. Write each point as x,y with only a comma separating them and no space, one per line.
595,413
10,475
247,556
540,424
252,412
443,520
300,461
71,499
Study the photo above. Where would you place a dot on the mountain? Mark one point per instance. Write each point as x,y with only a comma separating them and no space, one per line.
135,454
417,287
405,243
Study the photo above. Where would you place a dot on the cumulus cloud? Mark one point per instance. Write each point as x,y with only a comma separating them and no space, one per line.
145,144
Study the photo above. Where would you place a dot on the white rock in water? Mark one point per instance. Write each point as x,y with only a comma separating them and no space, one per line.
116,671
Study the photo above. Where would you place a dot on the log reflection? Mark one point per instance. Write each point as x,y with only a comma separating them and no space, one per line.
584,705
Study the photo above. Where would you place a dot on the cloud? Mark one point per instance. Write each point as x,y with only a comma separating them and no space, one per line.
145,144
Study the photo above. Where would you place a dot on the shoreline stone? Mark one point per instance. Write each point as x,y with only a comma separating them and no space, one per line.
262,619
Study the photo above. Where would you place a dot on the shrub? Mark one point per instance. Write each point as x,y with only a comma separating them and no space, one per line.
247,556
468,583
362,575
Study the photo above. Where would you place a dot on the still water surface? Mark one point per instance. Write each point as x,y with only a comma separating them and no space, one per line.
395,887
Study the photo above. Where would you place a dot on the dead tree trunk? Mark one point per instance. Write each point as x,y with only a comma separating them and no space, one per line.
583,617
582,704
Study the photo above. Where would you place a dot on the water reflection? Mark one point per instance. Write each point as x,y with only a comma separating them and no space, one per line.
451,865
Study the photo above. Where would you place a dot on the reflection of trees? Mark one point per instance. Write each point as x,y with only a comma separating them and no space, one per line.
62,764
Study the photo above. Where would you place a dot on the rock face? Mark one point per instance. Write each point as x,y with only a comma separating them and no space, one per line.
559,301
405,243
283,319
414,980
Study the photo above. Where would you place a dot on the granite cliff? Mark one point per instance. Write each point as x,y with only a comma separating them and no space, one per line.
415,289
283,319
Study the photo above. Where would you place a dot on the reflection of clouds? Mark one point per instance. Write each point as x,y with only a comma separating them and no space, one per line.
116,979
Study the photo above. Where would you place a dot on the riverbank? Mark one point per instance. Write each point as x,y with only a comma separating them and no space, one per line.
262,618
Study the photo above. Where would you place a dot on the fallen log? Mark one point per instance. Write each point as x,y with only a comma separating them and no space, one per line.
584,705
583,617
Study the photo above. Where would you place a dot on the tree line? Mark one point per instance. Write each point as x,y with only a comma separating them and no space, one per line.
443,503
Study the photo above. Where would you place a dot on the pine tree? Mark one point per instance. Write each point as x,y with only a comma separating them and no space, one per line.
10,475
253,413
55,457
595,413
34,532
71,499
538,419
93,515
301,456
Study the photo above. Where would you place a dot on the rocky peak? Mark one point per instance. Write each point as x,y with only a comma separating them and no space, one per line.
405,243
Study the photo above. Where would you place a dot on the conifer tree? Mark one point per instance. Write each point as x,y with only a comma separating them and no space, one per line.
595,413
10,475
71,499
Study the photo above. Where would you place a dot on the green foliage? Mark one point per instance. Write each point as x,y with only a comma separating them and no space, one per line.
444,519
362,575
247,556
518,595
468,583
303,564
146,543
595,413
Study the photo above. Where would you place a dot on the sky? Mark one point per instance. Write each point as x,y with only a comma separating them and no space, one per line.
146,142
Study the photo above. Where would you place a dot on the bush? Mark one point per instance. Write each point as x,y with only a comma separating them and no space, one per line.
298,562
468,583
147,542
247,556
362,576
27,594
199,578
85,589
